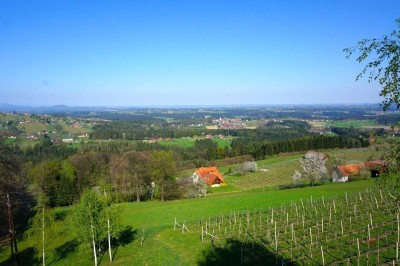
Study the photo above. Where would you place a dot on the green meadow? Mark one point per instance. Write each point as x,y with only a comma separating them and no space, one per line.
352,123
154,221
189,143
149,237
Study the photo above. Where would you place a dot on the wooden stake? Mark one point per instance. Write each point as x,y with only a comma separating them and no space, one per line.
341,225
398,228
369,234
334,206
322,225
287,219
272,216
370,218
276,239
323,259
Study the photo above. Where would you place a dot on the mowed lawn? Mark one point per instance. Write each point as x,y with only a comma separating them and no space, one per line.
155,220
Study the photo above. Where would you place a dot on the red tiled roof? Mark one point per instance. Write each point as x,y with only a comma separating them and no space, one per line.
349,169
210,175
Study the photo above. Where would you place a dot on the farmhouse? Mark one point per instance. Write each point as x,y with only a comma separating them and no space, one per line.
209,175
342,172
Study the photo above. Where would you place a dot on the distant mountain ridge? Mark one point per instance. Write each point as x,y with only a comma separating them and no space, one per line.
6,107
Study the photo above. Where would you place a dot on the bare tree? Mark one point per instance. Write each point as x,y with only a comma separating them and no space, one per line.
138,168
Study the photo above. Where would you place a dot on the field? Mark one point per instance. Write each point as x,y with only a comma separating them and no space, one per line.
33,127
22,142
189,143
278,169
352,123
359,228
155,220
239,228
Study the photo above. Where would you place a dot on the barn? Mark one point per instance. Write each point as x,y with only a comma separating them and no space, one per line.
209,175
341,173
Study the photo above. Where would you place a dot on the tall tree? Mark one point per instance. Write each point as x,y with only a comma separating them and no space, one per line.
46,175
383,55
111,219
89,220
41,229
164,168
384,67
138,168
118,175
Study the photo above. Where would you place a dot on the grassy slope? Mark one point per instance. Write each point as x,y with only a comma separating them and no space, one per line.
163,246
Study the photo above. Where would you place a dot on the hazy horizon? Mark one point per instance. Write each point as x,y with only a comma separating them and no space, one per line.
174,53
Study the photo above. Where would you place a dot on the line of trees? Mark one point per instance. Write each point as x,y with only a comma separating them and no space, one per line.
261,149
129,175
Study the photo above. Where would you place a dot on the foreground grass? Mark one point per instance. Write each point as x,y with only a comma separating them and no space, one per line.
155,220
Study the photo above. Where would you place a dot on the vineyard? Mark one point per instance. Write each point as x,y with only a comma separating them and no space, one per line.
276,175
357,229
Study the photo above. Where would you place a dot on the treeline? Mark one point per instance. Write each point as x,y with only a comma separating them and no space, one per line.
130,176
261,149
138,133
388,119
45,149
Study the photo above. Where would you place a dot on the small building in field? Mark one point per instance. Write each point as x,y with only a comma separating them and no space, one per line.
341,173
209,175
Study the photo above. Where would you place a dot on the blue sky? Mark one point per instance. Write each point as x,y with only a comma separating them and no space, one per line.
130,53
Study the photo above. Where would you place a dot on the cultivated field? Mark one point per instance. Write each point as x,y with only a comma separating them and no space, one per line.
360,228
153,222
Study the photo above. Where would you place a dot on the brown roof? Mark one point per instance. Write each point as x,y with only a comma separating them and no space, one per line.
375,164
354,169
210,175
